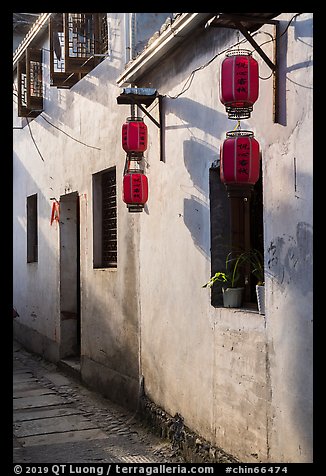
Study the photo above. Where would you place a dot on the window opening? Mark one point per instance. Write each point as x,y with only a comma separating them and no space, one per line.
109,219
235,222
104,34
34,79
32,238
105,219
30,84
78,42
59,76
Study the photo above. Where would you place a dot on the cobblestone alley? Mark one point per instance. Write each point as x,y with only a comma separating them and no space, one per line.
58,420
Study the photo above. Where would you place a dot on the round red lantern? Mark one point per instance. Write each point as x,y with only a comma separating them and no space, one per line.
135,190
134,135
240,158
239,83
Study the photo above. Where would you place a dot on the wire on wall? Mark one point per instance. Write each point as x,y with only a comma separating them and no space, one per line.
190,78
71,137
56,127
30,131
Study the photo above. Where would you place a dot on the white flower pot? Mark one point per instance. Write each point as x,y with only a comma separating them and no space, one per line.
260,292
232,297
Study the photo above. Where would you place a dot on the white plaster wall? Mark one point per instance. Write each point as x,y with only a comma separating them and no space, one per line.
288,240
77,135
89,113
151,315
208,364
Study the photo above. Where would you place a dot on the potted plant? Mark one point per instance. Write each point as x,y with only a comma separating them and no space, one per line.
232,295
257,263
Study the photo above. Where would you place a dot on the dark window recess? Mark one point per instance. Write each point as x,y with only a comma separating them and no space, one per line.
236,224
30,84
103,40
59,76
109,219
32,239
78,42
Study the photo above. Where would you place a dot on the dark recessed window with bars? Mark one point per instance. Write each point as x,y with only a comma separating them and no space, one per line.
105,219
30,84
32,235
78,42
109,220
59,75
236,224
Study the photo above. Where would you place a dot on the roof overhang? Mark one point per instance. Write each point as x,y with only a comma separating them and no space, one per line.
36,28
174,34
177,32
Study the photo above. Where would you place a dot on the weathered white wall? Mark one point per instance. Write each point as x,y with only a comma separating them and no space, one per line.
288,204
241,380
89,113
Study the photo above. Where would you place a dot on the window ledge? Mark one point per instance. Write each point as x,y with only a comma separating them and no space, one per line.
104,269
246,308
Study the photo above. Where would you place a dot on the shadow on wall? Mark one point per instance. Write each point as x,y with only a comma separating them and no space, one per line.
196,219
31,296
198,156
196,115
288,264
302,28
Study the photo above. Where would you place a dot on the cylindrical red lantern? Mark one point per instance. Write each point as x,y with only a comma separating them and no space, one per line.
239,84
240,158
135,191
134,135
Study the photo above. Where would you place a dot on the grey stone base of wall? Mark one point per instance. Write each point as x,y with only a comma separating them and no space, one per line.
192,447
35,342
116,387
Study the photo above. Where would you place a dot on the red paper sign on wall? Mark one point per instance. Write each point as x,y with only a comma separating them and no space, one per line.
55,213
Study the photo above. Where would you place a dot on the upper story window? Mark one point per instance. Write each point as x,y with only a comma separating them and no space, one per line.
78,42
30,84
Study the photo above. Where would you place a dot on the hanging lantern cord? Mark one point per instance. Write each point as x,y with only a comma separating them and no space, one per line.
125,170
237,126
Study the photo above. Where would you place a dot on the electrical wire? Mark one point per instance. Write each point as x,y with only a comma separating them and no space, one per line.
58,128
185,87
71,137
191,76
30,131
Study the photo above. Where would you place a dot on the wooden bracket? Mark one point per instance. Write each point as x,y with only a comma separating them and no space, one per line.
141,97
241,22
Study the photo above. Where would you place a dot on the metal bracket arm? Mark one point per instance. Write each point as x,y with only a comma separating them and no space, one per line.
263,55
147,113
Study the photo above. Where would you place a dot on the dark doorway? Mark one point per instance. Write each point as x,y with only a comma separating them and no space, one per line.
70,328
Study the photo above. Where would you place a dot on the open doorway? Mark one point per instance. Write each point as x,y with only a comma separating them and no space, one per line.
70,329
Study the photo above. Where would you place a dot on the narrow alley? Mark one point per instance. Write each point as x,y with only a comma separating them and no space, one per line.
58,420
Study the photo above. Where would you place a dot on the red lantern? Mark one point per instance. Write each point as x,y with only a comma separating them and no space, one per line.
134,135
135,191
239,83
240,158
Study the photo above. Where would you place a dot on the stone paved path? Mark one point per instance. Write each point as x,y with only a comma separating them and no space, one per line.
58,420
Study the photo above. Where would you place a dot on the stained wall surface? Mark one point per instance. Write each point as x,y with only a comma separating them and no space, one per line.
240,379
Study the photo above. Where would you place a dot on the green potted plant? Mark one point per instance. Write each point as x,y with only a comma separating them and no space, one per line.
257,269
232,295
